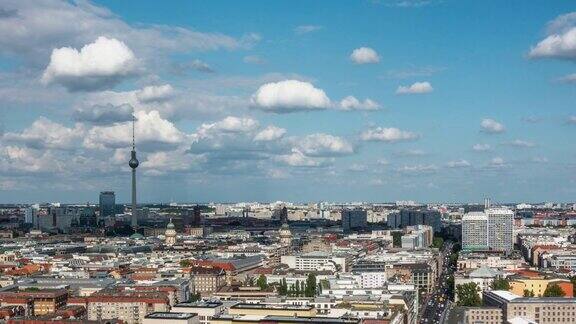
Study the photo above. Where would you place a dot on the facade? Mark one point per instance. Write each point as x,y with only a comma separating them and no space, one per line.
170,234
500,229
354,219
488,230
107,203
131,309
475,231
205,280
316,261
170,318
412,217
543,310
483,315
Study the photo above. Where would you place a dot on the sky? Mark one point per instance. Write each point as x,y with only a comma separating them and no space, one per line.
368,100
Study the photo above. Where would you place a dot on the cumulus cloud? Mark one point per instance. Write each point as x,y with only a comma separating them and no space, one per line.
560,43
491,126
324,145
254,59
418,169
153,133
351,103
364,55
305,29
36,34
481,147
270,133
520,143
415,88
200,66
96,66
497,161
229,124
390,135
458,164
289,96
151,94
299,159
46,134
104,114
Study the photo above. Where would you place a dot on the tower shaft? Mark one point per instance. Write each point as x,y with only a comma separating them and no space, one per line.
134,219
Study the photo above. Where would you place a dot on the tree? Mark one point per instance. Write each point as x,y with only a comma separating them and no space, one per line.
450,284
500,284
310,285
397,239
262,282
185,263
528,293
468,295
195,297
283,288
437,242
573,281
553,290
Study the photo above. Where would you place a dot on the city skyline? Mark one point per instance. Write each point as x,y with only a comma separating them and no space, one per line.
369,101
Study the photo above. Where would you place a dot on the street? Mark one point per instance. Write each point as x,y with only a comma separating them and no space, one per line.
434,307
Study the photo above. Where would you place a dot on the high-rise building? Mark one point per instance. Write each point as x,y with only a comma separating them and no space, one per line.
354,219
500,229
412,217
491,229
107,203
475,231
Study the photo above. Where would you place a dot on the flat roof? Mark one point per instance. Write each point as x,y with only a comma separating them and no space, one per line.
547,300
167,315
199,304
272,306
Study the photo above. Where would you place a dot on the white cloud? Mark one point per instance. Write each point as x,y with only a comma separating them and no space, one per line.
152,94
521,143
289,96
351,103
491,126
572,120
458,164
382,162
104,114
364,55
153,133
253,59
200,66
481,147
46,134
570,78
229,124
324,145
497,162
417,169
298,159
355,167
270,133
96,66
390,135
415,88
561,45
305,29
36,25
540,159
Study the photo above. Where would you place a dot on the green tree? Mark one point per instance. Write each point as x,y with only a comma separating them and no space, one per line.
553,290
468,295
310,285
437,242
195,297
262,282
450,284
528,293
292,290
397,239
298,290
573,281
283,288
500,284
185,263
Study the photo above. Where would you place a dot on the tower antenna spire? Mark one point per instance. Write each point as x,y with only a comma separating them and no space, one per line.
133,132
133,163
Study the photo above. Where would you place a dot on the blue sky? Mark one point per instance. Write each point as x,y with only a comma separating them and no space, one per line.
289,100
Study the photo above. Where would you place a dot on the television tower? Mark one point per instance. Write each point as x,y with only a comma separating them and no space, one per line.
133,165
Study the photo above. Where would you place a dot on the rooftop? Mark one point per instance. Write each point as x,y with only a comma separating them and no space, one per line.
166,315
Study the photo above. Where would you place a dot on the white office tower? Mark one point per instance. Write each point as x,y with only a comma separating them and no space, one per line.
500,229
488,230
475,231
